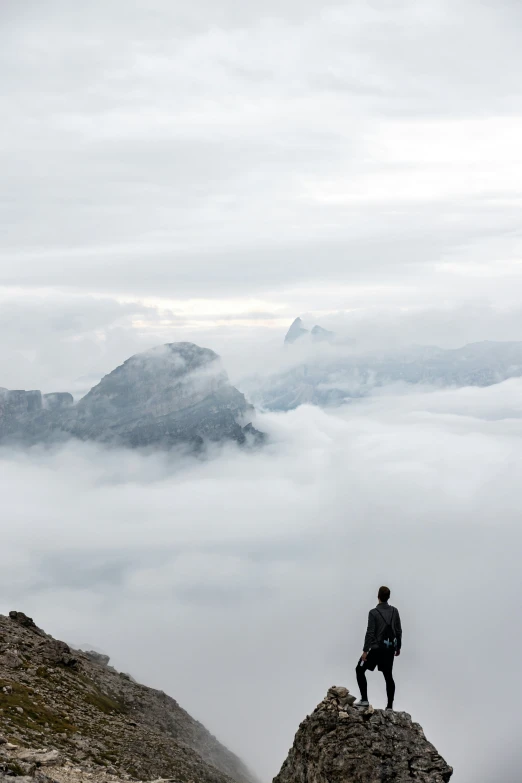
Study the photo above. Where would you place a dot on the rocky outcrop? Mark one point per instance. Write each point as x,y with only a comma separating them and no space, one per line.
65,716
97,657
338,743
174,394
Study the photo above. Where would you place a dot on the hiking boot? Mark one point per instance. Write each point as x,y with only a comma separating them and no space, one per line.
389,709
362,704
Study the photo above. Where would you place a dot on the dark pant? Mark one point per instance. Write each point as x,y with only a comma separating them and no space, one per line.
384,660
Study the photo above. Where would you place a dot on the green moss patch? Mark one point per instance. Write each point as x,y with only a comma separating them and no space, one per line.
35,712
104,703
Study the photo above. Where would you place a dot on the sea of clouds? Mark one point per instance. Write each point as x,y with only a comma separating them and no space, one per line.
240,582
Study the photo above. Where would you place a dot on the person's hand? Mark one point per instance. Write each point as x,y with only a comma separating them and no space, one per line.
397,653
364,656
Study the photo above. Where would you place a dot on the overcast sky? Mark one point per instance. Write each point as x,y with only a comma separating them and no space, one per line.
208,170
235,164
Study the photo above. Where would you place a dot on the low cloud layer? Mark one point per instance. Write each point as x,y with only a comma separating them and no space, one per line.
241,583
66,342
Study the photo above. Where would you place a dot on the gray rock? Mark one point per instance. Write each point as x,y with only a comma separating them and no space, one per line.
341,695
43,758
338,744
57,653
25,621
12,659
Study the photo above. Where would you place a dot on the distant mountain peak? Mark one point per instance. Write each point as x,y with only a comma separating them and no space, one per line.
296,331
316,335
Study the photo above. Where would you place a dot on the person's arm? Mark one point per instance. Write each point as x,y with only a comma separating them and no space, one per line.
370,639
398,631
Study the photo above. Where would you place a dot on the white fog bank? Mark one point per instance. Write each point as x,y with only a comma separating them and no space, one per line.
240,584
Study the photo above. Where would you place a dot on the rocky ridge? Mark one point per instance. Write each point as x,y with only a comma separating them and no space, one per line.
339,743
332,373
173,394
67,716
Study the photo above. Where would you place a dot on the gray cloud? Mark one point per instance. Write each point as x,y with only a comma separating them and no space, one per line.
54,341
182,152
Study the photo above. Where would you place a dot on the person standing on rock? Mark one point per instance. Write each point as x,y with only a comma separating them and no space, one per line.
382,644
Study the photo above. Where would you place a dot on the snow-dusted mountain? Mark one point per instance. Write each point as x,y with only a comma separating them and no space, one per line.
175,393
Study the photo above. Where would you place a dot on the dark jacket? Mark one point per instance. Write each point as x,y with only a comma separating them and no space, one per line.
378,619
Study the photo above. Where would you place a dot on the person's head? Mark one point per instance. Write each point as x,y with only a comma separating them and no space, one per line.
384,594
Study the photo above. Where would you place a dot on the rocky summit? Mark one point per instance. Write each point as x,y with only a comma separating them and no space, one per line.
174,394
338,743
67,716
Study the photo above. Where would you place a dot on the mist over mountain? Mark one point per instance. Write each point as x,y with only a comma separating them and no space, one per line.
179,393
316,334
242,580
335,372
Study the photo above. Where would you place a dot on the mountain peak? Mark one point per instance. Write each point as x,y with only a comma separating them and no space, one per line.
338,743
317,334
173,394
296,331
142,377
